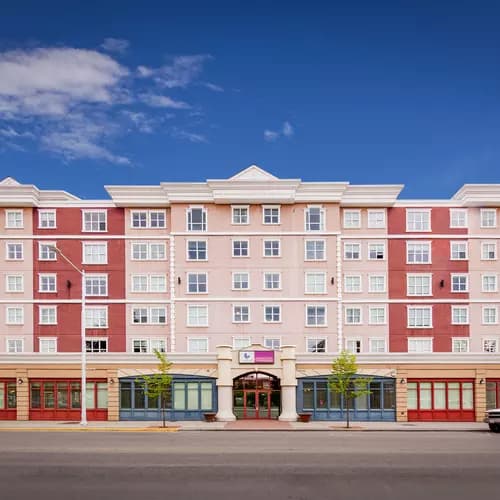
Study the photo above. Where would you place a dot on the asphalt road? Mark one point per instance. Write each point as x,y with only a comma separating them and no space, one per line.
250,465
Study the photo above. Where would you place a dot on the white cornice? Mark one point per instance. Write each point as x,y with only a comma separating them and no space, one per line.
137,196
478,195
13,194
371,195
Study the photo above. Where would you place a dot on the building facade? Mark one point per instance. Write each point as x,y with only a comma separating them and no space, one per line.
251,285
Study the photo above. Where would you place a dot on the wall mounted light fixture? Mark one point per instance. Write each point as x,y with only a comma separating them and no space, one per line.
332,281
481,381
441,283
20,381
402,381
178,280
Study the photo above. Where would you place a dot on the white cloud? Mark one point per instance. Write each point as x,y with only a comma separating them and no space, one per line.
115,45
189,136
144,71
287,130
212,86
11,133
162,101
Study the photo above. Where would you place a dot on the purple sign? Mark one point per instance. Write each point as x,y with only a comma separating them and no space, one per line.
264,357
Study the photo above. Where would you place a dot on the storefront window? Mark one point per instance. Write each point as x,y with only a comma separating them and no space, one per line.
76,396
425,396
2,396
321,395
412,401
48,395
139,398
375,402
453,395
125,395
467,396
179,396
491,395
439,395
192,396
206,395
308,395
389,395
62,395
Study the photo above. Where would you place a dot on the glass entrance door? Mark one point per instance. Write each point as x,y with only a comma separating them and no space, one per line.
263,408
250,408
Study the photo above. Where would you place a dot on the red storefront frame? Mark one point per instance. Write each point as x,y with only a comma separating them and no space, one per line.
64,393
441,414
7,413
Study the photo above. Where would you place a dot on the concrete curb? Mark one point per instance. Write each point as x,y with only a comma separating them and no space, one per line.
88,429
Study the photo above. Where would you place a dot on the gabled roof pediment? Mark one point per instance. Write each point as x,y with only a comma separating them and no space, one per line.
253,173
9,181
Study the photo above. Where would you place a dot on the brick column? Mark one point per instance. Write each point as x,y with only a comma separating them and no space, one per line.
22,396
401,396
113,396
480,394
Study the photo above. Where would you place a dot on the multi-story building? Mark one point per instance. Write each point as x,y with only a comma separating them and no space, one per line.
251,285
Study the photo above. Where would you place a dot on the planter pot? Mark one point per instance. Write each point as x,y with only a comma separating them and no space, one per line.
210,417
305,417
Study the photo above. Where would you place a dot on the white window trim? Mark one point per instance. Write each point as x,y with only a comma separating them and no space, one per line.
237,337
272,322
148,252
352,306
205,339
322,216
378,276
431,318
352,243
268,240
46,243
462,210
325,325
370,226
40,275
94,276
7,243
14,306
197,231
353,276
40,339
94,308
277,337
233,240
99,339
354,339
482,315
40,211
348,210
324,339
418,242
370,339
16,339
268,271
85,243
376,243
466,282
279,215
381,306
192,240
240,289
148,307
148,283
483,210
459,307
148,218
40,314
323,273
240,223
483,275
483,244
91,211
14,211
420,338
233,319
305,250
414,210
187,282
412,275
454,242
489,339
7,283
461,339
188,325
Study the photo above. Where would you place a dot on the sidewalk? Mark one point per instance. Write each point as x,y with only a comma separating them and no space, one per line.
242,425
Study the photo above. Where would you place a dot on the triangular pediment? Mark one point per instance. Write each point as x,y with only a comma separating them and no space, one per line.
9,181
253,173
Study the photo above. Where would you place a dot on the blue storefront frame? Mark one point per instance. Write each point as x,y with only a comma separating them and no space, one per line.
323,407
132,385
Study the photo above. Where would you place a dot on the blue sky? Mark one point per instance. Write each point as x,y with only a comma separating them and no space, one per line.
121,92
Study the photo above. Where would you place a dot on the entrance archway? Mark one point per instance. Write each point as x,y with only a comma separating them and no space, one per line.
256,395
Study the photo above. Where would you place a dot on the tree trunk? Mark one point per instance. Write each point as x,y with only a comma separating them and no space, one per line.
163,409
347,408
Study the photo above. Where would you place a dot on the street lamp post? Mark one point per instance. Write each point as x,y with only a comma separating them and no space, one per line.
83,345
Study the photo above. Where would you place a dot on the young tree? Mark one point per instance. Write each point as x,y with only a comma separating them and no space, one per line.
344,380
158,384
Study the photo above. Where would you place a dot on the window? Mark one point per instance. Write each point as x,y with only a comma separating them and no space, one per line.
272,248
14,346
14,283
48,315
488,217
315,315
490,345
418,220
197,283
140,345
153,315
489,283
353,315
352,219
95,253
46,251
148,251
272,281
14,219
459,283
240,248
46,219
315,219
148,345
458,218
459,345
241,314
272,314
419,317
419,344
315,283
488,250
418,253
271,215
96,345
154,219
316,344
376,251
271,343
419,284
158,283
241,343
377,315
96,317
96,285
139,283
376,345
48,345
47,283
14,315
240,215
14,251
352,283
376,283
490,315
196,250
376,219
352,251
459,315
197,315
241,281
458,250
197,346
353,345
94,221
196,219
315,250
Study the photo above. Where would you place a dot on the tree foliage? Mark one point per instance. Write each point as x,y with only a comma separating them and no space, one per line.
345,381
158,384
